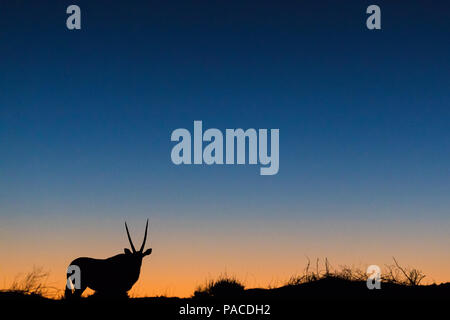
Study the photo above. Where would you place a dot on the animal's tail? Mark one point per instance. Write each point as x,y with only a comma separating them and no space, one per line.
68,292
73,284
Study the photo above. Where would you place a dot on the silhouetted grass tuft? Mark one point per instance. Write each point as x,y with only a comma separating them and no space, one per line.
34,283
394,274
224,286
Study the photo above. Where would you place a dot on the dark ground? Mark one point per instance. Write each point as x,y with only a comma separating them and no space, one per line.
324,298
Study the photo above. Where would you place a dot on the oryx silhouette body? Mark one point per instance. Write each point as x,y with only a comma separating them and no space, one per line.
113,276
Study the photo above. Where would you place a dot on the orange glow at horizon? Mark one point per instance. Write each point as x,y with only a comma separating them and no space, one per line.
259,254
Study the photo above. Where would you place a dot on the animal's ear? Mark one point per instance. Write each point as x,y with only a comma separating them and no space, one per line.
127,251
147,252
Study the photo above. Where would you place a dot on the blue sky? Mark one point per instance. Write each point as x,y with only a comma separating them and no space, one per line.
363,115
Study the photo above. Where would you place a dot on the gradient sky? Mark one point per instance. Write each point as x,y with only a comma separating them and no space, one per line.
86,118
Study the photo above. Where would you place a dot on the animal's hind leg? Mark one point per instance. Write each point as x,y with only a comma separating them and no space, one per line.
74,293
78,292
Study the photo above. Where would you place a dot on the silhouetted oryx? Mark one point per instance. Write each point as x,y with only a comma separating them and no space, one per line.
113,276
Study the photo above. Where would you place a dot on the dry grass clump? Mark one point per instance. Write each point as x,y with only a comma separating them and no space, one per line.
393,273
402,275
33,283
224,286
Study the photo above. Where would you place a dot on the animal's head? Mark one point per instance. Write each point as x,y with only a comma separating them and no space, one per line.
138,255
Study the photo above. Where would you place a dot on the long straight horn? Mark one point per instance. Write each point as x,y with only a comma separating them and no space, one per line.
145,237
129,238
